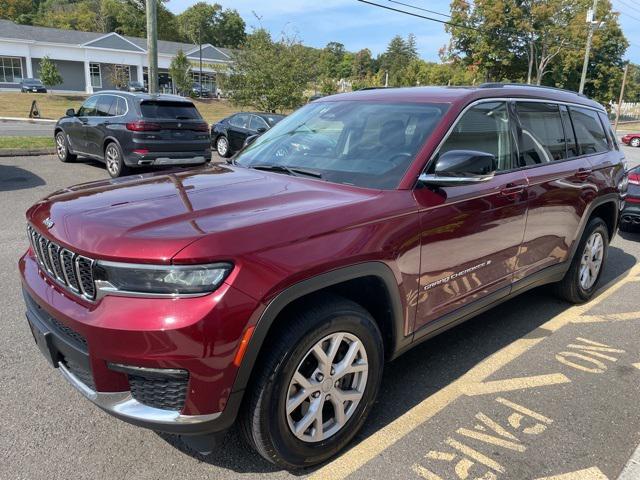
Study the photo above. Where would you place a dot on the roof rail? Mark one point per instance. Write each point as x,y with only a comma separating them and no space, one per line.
527,85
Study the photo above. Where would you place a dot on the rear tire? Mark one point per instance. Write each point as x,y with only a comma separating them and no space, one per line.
222,146
114,160
290,370
581,280
62,148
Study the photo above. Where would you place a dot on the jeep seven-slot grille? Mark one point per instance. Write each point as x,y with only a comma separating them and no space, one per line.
71,270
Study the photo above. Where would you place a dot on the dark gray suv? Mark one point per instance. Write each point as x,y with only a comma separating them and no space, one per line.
131,129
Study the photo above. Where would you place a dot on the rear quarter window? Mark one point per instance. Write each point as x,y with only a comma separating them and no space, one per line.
169,110
589,131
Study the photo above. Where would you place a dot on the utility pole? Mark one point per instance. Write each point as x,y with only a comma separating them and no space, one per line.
152,45
200,42
592,26
624,82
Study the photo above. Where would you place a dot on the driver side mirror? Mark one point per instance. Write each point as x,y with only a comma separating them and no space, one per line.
70,113
261,130
461,167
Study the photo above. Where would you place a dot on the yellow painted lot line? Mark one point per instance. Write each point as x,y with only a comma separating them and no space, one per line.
472,381
593,473
637,365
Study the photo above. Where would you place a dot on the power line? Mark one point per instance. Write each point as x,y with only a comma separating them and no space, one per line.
418,16
420,8
625,13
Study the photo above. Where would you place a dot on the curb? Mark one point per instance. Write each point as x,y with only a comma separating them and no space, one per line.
29,152
27,120
632,469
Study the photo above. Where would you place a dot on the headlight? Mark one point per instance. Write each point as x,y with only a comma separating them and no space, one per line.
169,280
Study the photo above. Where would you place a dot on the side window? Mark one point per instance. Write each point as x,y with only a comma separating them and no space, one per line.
485,128
118,107
257,122
241,120
613,144
542,138
569,133
589,131
104,105
88,108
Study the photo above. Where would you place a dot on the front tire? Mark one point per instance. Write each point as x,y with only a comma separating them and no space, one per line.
580,282
635,142
114,160
222,146
317,383
62,148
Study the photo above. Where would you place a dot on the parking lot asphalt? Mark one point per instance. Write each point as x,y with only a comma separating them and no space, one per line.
532,389
26,129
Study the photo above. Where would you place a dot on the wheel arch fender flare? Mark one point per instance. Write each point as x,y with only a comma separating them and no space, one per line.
313,284
612,198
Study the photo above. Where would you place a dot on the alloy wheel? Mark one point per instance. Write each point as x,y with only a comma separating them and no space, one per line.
113,160
327,387
635,142
591,260
61,147
222,146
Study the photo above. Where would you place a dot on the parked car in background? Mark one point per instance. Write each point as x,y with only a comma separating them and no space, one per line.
127,130
229,134
631,139
272,291
33,85
137,87
200,90
630,217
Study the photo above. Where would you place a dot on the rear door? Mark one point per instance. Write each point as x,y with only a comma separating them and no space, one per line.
558,170
471,234
178,127
238,130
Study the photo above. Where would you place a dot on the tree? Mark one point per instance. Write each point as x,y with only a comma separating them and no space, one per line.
331,59
210,24
49,74
229,30
362,64
119,76
267,75
180,71
399,54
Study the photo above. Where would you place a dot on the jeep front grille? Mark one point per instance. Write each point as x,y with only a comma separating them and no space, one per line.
73,271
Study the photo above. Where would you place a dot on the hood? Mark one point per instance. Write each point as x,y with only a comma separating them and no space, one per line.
150,218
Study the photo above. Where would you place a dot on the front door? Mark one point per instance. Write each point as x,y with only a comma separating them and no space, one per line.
471,234
76,130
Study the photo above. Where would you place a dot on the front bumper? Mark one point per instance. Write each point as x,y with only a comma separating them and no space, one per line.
84,341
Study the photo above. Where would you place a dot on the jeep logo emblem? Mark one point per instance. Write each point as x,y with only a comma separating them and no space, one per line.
48,222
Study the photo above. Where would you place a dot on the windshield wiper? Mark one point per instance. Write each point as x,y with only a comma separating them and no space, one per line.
295,171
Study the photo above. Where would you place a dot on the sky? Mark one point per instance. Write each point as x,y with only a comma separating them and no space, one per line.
358,25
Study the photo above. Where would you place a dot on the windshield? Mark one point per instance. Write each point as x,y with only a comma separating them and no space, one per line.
31,81
368,144
135,84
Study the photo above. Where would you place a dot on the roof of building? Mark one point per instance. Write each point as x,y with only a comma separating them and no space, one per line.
12,30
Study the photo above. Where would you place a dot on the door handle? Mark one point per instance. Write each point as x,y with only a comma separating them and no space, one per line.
512,190
583,174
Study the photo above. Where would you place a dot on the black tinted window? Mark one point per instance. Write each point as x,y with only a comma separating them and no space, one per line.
257,122
484,128
118,106
104,105
241,120
542,138
589,131
88,108
169,110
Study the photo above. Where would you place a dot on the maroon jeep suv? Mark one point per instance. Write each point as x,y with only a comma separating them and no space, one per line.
271,290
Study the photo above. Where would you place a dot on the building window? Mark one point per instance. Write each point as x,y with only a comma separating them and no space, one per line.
96,77
10,70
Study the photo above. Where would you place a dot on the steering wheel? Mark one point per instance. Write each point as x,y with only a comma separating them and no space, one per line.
400,156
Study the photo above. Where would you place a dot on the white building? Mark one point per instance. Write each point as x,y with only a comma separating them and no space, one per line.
85,59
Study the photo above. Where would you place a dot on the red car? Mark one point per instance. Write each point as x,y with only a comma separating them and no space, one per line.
272,290
632,139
